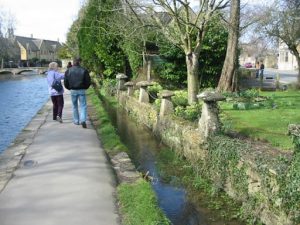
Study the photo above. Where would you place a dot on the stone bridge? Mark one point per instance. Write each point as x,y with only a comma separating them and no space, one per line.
15,71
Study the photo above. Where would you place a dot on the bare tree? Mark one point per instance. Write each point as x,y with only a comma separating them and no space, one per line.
283,22
7,49
2,40
183,27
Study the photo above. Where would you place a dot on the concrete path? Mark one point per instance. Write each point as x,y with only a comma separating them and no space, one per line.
63,179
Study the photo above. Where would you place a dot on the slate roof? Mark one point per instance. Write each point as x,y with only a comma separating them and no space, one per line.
38,43
35,44
27,43
52,46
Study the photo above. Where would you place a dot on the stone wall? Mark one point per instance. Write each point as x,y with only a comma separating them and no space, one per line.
250,173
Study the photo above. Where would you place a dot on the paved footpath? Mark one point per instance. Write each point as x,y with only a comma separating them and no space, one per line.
63,179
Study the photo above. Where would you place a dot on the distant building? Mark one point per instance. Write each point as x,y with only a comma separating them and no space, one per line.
247,54
36,50
257,52
286,60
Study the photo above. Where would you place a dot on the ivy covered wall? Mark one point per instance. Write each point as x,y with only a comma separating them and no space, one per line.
266,181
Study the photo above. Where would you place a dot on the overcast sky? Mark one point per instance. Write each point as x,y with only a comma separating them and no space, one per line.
43,19
47,19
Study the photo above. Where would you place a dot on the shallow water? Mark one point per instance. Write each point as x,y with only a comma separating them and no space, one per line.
173,200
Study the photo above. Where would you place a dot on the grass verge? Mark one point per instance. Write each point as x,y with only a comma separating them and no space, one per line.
137,201
109,139
139,204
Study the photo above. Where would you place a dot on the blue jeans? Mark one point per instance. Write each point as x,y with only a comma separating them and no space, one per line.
79,96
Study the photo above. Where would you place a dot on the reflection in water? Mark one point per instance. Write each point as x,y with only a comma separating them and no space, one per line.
143,148
173,200
20,99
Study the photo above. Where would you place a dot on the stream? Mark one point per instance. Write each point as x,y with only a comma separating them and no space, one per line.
143,149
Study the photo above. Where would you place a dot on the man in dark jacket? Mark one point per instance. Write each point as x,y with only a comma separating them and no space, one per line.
77,79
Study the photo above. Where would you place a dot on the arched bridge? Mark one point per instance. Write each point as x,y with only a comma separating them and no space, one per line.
15,71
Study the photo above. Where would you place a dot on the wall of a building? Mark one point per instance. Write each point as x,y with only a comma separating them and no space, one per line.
286,61
23,52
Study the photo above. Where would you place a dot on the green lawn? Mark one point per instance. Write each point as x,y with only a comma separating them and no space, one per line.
266,123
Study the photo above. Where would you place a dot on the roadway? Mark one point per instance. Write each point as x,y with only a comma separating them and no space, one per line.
285,76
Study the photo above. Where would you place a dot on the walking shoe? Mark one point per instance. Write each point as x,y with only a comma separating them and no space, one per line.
83,124
59,119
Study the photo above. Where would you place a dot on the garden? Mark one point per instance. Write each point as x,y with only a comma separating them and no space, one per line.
260,116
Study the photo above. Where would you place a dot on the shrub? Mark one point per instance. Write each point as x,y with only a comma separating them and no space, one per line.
179,111
193,112
109,85
182,107
154,90
180,98
250,94
190,112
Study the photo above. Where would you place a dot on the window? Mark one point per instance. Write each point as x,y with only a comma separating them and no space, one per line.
281,56
286,56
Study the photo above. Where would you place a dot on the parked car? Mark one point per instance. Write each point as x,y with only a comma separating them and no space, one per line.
248,65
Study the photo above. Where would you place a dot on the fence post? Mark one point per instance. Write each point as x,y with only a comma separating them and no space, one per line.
129,86
166,107
121,81
144,96
209,122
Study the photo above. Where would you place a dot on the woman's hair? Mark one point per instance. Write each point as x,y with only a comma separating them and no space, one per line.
53,66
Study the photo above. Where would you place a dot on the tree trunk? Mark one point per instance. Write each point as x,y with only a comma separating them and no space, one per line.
228,77
298,62
192,77
145,64
295,52
149,69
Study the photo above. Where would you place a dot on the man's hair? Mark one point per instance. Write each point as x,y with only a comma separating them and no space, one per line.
76,61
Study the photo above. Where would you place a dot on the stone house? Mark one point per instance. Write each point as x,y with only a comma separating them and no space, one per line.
251,53
247,54
286,60
33,49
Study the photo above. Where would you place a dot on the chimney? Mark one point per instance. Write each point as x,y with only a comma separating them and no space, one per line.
10,33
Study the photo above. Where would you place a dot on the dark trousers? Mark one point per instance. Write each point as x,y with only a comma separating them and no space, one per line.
58,105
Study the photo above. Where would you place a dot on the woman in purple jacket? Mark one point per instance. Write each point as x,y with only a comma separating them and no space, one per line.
56,96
